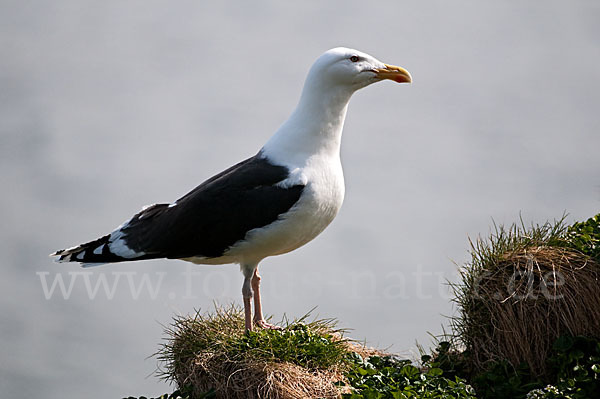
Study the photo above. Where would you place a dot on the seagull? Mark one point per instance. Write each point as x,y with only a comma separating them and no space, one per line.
269,204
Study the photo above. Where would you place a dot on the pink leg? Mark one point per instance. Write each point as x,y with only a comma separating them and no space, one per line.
259,319
248,314
247,295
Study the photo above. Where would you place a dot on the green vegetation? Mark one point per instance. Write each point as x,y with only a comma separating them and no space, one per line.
387,377
585,237
575,363
574,372
298,343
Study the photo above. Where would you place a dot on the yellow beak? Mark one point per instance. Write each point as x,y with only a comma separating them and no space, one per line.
394,73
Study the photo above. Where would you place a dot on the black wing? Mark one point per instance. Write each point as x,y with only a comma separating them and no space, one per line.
216,214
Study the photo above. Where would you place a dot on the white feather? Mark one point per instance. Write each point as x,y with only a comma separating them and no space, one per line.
118,246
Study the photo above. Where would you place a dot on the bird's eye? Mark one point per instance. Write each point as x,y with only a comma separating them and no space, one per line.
354,58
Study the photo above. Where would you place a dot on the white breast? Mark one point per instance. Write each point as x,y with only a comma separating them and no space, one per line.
320,202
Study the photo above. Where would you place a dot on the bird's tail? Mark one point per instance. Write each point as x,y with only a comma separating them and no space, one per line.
93,253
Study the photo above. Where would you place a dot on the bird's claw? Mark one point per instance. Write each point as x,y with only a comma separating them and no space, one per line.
266,326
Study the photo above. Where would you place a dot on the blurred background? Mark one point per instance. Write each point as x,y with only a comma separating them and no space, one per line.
108,106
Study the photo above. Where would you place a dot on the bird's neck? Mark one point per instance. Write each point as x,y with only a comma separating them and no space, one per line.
314,128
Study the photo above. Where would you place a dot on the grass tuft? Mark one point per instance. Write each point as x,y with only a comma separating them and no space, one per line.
525,287
213,351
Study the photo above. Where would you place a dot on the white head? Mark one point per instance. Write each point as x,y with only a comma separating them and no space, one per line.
346,68
316,124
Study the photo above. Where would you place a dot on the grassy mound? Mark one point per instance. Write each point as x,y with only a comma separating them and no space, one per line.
213,351
211,355
523,289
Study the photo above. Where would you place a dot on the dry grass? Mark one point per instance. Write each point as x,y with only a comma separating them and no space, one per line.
255,379
212,351
522,291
